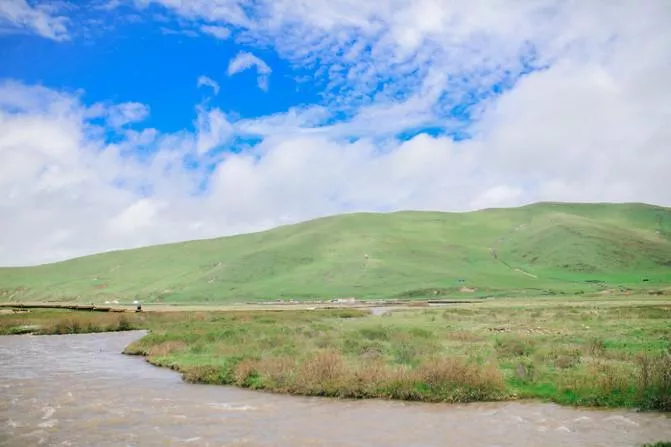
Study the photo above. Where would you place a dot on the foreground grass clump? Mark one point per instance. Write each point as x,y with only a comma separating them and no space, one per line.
611,356
325,353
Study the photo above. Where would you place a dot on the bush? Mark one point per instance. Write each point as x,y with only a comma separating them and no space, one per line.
123,324
654,380
596,347
457,380
513,346
380,333
321,373
205,374
567,361
445,380
66,326
246,373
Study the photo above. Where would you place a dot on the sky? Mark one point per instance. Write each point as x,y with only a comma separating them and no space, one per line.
126,123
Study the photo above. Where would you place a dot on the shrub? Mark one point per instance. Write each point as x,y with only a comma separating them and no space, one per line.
358,346
567,361
221,373
654,381
375,333
65,326
404,353
407,349
277,373
246,373
596,347
400,385
367,379
204,374
525,371
123,324
599,383
321,372
467,336
513,346
457,380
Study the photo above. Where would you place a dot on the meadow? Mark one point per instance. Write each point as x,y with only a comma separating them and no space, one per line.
613,352
545,249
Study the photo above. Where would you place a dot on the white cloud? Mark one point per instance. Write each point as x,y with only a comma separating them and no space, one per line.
357,47
225,11
137,216
178,32
129,112
497,196
109,5
16,15
244,61
208,82
61,184
219,32
213,129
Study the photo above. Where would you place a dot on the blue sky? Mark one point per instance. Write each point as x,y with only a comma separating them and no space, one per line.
130,122
143,62
152,56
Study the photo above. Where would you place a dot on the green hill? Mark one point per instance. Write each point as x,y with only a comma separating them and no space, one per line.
543,248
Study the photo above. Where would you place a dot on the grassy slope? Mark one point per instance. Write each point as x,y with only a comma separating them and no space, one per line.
559,246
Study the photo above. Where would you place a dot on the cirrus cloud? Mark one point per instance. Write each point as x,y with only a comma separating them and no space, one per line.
245,61
208,82
219,32
21,16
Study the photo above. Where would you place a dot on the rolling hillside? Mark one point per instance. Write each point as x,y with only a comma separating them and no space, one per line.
543,248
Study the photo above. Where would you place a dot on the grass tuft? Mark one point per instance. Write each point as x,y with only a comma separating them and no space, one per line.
654,381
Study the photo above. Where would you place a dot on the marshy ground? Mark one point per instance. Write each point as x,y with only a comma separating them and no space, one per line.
598,352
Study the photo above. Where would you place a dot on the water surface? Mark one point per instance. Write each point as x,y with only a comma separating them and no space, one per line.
78,390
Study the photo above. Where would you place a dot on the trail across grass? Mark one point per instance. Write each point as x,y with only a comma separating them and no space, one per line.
605,354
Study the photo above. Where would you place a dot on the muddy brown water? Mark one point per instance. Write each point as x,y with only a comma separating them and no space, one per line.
78,390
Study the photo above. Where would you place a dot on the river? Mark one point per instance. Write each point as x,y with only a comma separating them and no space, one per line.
78,390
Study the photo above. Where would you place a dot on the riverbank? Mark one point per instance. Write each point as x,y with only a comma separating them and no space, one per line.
80,390
614,355
59,321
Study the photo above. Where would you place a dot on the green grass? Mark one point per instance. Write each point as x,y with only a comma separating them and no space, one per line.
591,353
55,321
541,249
610,356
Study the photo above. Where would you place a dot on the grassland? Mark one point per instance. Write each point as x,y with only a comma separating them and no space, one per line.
541,249
596,352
